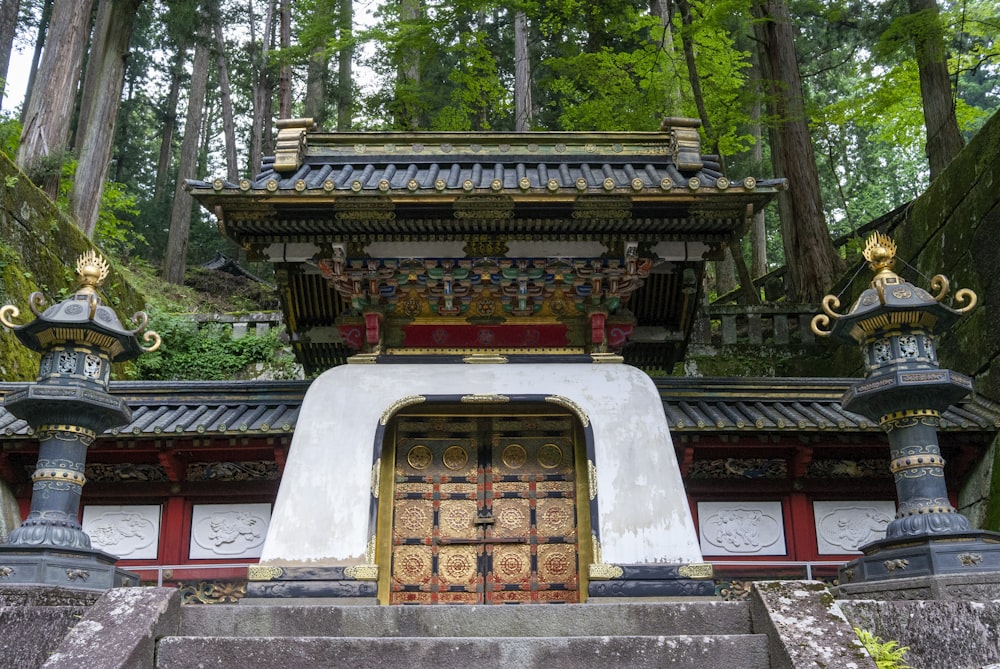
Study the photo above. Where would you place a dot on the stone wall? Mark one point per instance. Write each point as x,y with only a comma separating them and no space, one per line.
38,250
939,634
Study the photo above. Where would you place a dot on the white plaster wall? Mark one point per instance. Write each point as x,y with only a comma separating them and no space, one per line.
321,512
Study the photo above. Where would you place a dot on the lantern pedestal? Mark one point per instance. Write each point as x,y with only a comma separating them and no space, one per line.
82,569
975,586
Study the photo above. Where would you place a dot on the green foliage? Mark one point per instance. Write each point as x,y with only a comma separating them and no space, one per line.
114,231
209,352
10,135
887,654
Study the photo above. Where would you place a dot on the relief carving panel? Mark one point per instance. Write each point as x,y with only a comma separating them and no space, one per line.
228,530
127,532
843,527
741,528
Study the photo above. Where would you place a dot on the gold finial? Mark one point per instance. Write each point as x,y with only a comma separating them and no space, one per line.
880,252
92,270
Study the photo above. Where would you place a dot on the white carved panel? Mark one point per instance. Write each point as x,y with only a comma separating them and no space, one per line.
128,532
741,528
228,530
843,527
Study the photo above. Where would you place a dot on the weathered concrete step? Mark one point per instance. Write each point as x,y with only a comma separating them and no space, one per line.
634,652
641,619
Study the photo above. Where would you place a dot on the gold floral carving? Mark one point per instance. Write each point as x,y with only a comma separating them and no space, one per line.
399,404
362,572
259,572
599,570
206,592
699,570
605,572
370,550
567,403
592,478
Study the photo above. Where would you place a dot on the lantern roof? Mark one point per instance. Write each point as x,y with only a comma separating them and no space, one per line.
890,302
81,318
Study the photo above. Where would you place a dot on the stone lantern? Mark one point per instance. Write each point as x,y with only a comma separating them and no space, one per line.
897,325
69,405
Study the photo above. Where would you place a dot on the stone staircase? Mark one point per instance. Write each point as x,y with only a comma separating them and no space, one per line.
784,625
695,635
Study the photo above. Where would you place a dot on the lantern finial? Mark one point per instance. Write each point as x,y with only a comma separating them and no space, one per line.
91,269
880,252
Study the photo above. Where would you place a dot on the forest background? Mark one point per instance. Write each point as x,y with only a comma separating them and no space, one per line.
859,104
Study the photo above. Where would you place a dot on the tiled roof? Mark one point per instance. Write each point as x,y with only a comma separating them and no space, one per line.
790,404
192,408
253,408
499,162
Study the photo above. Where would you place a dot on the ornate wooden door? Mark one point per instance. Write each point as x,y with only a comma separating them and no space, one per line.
484,510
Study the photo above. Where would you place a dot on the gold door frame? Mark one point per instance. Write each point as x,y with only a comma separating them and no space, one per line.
483,406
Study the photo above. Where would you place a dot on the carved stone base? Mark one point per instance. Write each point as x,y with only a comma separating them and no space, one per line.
979,587
964,554
75,569
645,581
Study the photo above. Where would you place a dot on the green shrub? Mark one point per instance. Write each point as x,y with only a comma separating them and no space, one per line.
887,654
210,352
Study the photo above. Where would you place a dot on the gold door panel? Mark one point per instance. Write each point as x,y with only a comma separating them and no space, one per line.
484,510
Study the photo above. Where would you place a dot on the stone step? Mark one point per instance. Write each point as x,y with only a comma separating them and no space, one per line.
640,619
564,652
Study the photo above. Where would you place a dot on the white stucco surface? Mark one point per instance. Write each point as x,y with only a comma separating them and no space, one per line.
321,513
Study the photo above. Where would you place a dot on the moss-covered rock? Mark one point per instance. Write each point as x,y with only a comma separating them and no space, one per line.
38,251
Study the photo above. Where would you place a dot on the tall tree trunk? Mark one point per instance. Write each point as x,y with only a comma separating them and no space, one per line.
758,229
314,106
522,74
226,100
725,275
345,59
8,27
36,57
175,260
46,123
102,94
169,125
122,133
944,140
750,292
408,77
261,86
813,263
285,71
662,10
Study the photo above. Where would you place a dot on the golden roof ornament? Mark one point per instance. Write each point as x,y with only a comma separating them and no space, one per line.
880,252
91,270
